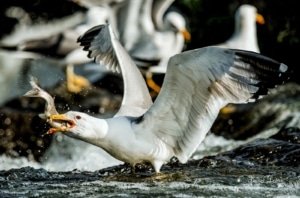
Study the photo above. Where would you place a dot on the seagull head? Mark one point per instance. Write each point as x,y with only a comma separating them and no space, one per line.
247,15
175,21
77,125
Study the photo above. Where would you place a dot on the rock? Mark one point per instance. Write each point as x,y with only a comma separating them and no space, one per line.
280,108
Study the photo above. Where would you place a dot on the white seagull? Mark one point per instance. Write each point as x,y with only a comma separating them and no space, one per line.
150,34
244,36
198,83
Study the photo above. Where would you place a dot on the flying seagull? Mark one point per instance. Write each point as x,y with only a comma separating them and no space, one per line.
198,83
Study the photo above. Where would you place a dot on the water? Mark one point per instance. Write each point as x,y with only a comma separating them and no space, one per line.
28,182
120,189
67,154
219,175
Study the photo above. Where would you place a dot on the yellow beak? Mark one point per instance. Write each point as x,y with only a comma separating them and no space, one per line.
260,19
59,123
186,35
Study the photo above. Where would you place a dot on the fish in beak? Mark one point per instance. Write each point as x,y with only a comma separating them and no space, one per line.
59,123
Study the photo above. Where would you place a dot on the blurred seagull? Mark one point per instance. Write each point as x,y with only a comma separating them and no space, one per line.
151,34
60,45
245,35
95,3
198,83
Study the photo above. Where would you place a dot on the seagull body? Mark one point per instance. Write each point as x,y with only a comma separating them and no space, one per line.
151,35
147,34
198,83
245,34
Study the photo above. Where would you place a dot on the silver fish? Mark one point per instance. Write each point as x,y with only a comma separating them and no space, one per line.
38,92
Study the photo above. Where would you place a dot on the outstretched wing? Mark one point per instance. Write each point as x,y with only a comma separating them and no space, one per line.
197,85
104,47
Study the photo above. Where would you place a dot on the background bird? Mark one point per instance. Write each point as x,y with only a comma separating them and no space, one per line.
151,34
245,35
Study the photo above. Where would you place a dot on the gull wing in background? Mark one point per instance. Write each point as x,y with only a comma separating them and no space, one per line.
23,32
103,46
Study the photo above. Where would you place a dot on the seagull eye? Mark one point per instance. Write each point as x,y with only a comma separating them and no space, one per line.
78,117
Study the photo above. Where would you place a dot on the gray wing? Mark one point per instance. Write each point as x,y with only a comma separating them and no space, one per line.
103,46
197,85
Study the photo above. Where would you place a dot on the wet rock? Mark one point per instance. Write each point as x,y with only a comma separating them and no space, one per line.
280,108
289,134
26,173
265,152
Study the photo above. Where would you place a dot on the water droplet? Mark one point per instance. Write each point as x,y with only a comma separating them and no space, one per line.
7,121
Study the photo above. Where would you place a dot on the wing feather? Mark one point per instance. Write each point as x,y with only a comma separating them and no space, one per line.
198,84
104,47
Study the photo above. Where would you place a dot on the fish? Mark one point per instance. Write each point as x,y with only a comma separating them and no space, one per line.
38,92
50,110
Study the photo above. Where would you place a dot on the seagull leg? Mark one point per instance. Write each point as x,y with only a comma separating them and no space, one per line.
152,84
75,83
157,165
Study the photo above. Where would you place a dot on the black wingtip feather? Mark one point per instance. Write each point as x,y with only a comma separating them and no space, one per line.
269,72
267,66
86,39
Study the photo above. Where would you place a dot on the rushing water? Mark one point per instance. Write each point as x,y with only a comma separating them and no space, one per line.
67,154
207,177
28,182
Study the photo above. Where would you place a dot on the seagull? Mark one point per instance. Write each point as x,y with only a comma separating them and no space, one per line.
150,34
198,83
245,36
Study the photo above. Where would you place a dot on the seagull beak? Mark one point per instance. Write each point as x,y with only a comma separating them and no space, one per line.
186,35
260,19
59,123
